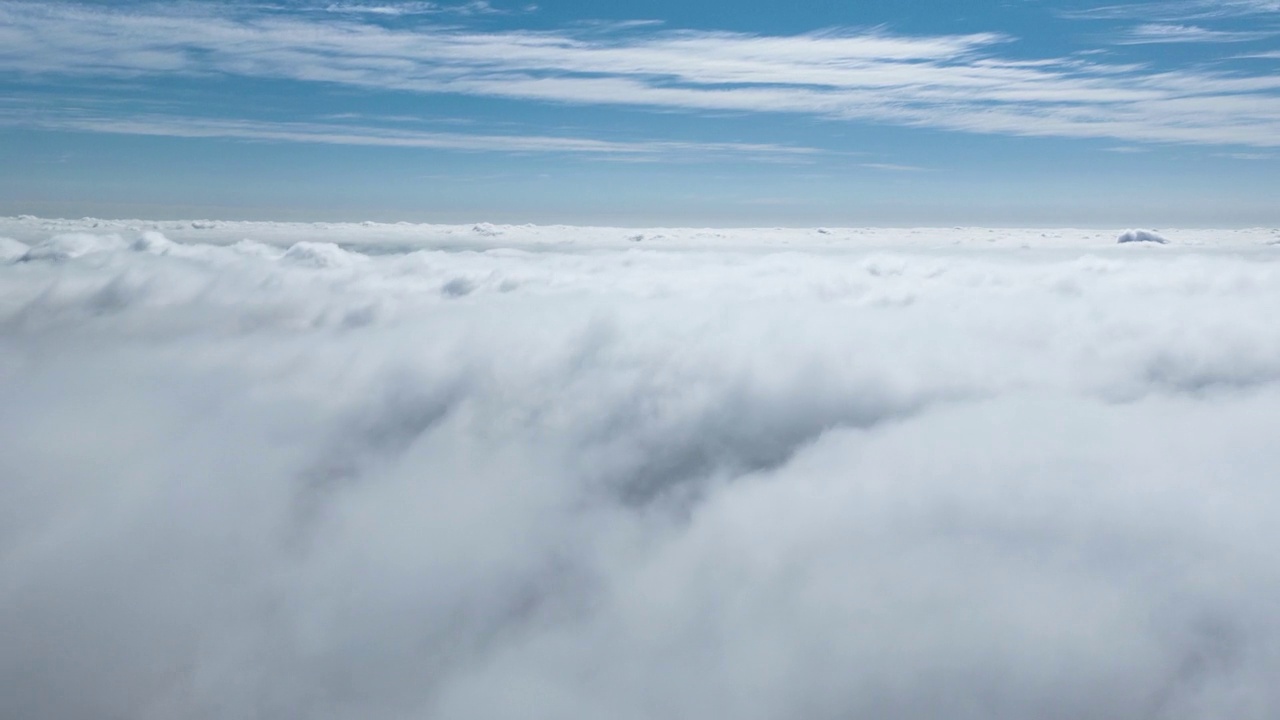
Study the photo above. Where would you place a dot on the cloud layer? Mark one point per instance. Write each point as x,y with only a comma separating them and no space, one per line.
669,474
956,82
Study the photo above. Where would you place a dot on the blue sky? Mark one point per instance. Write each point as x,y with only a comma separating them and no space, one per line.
905,112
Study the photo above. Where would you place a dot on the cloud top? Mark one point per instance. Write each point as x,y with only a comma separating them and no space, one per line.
266,474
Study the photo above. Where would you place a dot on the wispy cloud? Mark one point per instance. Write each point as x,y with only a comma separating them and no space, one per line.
1175,10
894,167
341,134
1152,33
477,7
1250,156
953,82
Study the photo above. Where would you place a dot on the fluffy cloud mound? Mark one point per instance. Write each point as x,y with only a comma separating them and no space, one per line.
1142,236
11,250
72,245
292,478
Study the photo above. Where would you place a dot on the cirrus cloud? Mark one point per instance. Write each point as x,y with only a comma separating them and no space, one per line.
955,82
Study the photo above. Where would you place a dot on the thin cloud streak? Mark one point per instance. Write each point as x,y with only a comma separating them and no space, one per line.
1250,156
895,167
1175,10
479,7
335,134
943,82
1156,33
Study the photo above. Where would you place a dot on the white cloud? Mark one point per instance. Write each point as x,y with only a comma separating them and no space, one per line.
893,166
345,134
11,250
503,471
951,82
478,7
1176,10
1155,33
1141,236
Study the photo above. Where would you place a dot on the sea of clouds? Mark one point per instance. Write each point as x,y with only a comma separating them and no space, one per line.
374,471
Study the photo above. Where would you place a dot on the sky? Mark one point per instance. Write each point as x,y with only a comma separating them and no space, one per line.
910,112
